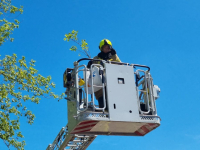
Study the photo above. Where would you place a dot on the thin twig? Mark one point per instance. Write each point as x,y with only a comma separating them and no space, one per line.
86,52
7,144
76,42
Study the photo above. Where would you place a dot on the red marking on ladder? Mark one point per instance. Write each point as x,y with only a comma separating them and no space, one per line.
84,126
86,122
146,129
81,131
138,133
153,125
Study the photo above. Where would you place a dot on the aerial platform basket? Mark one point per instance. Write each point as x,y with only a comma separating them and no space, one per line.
129,102
131,111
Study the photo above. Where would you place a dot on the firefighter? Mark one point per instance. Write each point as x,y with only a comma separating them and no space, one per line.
107,53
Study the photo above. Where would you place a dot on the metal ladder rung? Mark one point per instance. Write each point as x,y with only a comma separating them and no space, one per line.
74,141
79,140
72,145
81,136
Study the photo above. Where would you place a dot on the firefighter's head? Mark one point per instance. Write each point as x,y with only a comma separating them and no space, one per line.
105,45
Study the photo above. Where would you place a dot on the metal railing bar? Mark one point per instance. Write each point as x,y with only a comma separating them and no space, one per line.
91,73
77,88
114,62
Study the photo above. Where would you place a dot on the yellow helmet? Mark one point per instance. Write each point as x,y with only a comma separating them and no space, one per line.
104,42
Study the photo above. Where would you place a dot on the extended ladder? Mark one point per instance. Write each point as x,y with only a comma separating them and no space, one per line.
67,141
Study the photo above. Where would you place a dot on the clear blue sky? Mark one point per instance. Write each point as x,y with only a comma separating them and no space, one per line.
164,35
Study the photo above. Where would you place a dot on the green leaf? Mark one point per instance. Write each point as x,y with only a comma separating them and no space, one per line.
21,82
73,37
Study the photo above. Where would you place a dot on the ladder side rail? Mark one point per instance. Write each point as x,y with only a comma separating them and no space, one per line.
103,87
58,140
68,138
61,137
80,142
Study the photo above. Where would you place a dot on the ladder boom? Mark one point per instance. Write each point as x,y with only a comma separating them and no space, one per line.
67,141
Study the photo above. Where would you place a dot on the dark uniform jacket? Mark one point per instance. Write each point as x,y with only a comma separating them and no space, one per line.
111,56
